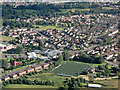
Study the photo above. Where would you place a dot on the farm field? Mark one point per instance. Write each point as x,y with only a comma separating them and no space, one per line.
70,68
27,86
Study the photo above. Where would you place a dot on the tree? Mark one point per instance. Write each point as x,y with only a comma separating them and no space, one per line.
66,86
11,81
107,71
117,73
30,73
4,64
19,49
119,25
91,78
85,72
101,42
60,58
24,63
100,67
4,83
100,59
75,85
108,40
66,56
11,61
98,74
106,66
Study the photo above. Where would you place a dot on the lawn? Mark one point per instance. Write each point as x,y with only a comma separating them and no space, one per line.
70,68
6,38
58,80
27,86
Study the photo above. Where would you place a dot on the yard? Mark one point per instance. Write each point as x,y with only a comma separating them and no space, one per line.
70,68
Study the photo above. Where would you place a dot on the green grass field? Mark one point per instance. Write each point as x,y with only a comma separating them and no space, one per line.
70,68
73,10
48,27
58,80
107,8
112,83
91,64
5,38
27,86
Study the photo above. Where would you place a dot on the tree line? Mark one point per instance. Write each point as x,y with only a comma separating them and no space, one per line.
28,82
83,57
50,10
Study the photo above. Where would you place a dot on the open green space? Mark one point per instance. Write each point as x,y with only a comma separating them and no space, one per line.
112,83
58,80
107,8
71,68
5,38
40,27
73,10
96,65
27,86
91,64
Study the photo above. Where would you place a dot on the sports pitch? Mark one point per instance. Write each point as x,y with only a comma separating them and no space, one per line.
70,68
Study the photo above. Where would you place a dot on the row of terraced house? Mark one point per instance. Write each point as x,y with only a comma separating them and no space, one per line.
21,73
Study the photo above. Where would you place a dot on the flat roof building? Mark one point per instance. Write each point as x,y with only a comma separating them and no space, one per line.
94,85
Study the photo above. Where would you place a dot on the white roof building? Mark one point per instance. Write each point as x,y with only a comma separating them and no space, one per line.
32,55
94,85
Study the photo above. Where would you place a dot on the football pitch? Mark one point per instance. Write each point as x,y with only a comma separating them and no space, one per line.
70,68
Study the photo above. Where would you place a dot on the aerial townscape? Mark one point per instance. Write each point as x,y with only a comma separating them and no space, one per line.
60,44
